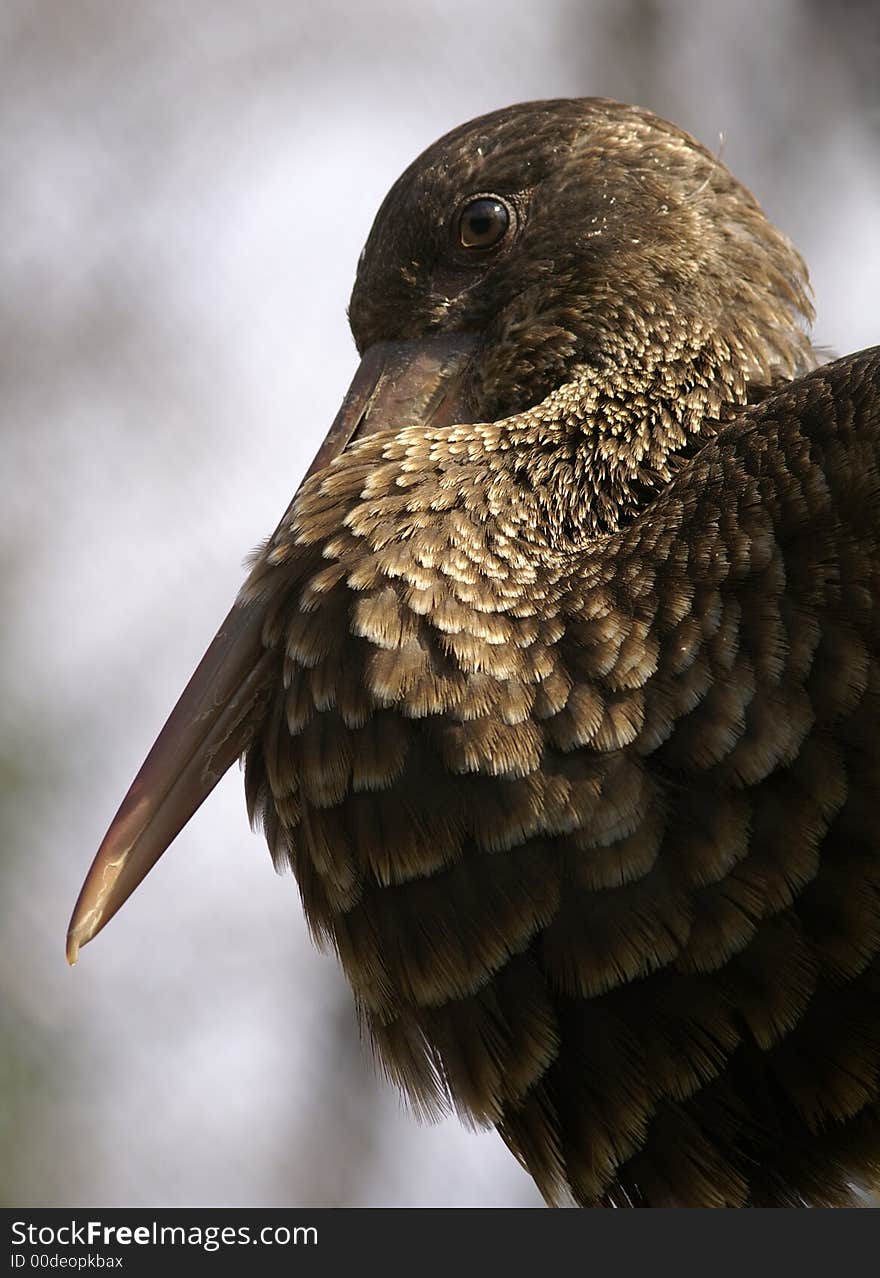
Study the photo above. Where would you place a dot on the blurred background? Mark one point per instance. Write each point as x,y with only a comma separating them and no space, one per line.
185,191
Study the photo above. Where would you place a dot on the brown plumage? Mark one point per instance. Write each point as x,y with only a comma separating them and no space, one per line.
565,714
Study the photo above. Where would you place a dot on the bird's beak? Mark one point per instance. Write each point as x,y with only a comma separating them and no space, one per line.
397,384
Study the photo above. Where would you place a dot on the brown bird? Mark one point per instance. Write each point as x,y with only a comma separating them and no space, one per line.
558,681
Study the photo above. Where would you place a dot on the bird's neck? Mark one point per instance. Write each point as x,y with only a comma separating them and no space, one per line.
593,454
581,464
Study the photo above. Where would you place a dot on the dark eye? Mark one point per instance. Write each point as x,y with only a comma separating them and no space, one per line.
483,223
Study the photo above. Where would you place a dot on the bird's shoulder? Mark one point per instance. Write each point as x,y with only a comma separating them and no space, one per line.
456,610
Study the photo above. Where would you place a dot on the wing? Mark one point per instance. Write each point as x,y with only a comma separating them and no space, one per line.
593,830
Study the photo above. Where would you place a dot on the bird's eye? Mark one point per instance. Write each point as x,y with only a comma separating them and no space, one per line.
483,223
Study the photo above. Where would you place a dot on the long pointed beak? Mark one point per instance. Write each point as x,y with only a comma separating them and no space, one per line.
397,384
207,731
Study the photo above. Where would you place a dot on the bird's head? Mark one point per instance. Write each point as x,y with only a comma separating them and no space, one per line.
576,233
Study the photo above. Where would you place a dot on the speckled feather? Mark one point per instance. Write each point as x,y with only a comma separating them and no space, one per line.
573,749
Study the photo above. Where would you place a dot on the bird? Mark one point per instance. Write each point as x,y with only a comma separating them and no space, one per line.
557,684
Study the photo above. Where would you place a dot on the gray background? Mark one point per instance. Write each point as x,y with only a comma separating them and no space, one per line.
185,190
